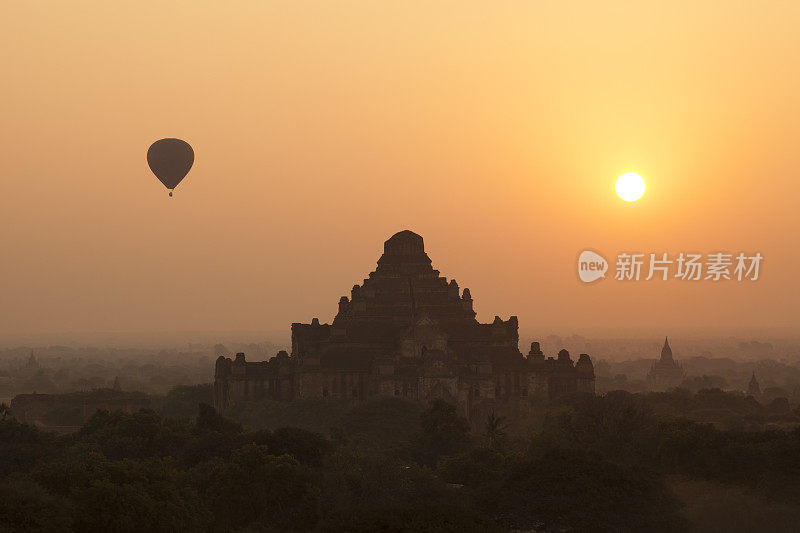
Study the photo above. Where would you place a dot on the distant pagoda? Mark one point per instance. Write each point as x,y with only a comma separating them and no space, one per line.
752,388
665,373
32,363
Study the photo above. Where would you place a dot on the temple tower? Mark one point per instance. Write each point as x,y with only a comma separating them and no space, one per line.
665,373
752,388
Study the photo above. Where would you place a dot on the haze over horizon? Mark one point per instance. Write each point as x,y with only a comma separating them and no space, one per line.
494,131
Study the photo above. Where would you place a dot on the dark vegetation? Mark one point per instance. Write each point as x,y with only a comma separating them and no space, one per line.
62,369
594,464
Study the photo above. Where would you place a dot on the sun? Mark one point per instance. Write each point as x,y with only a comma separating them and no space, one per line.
630,186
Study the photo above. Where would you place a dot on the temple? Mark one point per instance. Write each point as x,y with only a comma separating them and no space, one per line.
665,373
752,388
408,332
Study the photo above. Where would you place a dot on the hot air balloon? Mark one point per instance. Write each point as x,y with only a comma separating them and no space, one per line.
170,160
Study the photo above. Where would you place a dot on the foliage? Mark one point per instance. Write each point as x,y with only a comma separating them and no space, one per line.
182,401
126,495
596,464
27,507
495,430
712,506
444,432
255,485
420,518
23,446
353,479
305,446
314,414
618,425
560,490
479,466
121,435
209,420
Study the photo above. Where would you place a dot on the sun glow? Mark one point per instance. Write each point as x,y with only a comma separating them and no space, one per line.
630,186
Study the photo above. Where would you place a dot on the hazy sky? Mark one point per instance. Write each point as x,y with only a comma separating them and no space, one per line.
494,129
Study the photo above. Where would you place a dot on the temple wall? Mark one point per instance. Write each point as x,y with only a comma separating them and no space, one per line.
382,381
444,388
586,385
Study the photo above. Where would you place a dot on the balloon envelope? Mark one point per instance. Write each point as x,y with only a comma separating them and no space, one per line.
170,160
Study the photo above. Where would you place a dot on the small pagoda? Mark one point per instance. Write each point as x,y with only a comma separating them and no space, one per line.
666,372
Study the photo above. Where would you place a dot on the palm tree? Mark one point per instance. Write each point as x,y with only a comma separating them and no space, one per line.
495,430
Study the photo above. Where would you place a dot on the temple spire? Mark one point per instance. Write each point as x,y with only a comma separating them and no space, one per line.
666,351
665,372
32,362
752,388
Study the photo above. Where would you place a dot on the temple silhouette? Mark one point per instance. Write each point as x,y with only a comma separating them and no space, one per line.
753,388
666,372
407,332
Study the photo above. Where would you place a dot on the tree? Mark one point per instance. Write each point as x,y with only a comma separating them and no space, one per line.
574,490
23,446
478,467
255,485
444,432
495,433
619,425
183,401
413,518
25,506
355,478
209,420
120,435
305,446
127,495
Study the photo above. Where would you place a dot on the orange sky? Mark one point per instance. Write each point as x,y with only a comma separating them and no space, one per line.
495,130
